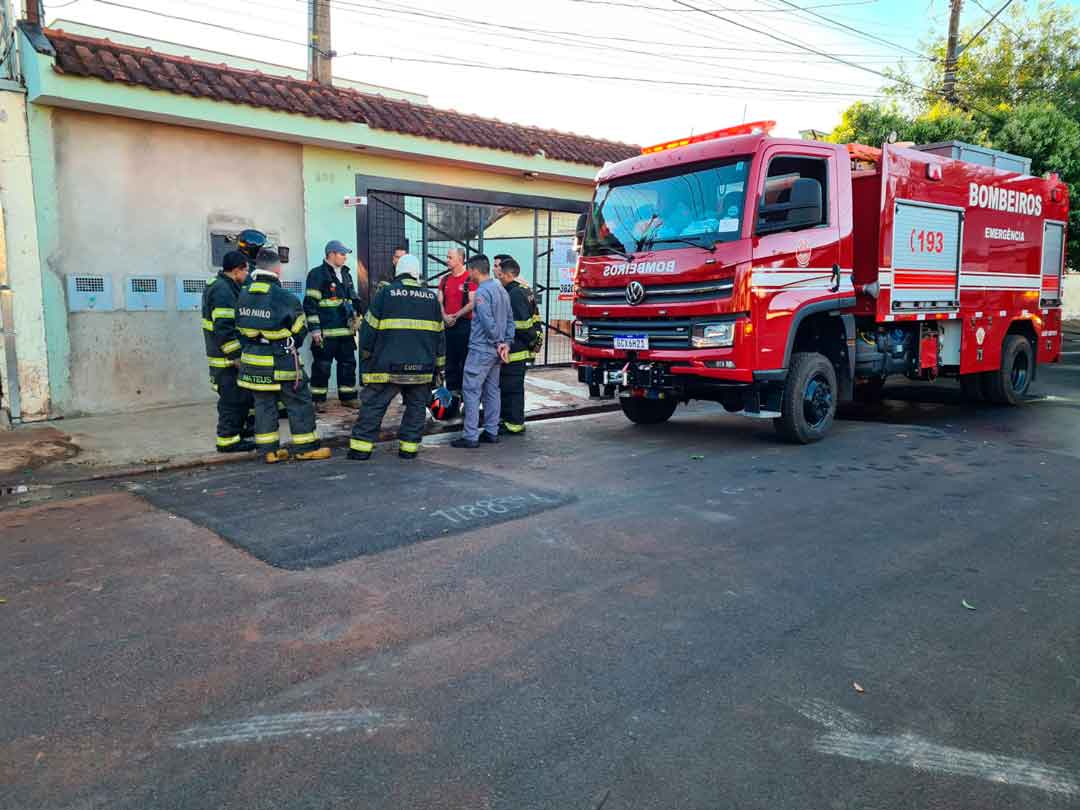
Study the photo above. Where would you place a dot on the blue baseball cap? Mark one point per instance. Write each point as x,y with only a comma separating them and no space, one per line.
334,246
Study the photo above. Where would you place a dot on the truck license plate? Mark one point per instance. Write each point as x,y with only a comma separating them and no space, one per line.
631,341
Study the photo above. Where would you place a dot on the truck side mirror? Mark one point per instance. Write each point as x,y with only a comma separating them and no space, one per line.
579,231
803,209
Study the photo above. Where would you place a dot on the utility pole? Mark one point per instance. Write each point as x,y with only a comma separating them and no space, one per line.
319,53
952,52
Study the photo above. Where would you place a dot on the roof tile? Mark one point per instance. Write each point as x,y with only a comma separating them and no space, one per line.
102,59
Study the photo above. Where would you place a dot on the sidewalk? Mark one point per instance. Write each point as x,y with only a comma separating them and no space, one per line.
123,444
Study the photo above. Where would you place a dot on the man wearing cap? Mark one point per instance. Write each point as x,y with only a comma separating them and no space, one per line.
223,353
331,305
403,346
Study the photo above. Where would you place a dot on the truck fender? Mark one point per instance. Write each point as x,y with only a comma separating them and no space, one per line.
846,380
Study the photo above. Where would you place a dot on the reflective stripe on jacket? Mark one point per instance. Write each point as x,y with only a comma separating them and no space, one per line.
271,323
219,321
327,301
402,339
526,321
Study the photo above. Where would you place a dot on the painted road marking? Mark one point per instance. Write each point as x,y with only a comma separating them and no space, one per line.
847,737
921,754
270,726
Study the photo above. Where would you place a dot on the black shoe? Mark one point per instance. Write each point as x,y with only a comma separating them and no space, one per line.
239,447
466,443
487,438
403,454
356,455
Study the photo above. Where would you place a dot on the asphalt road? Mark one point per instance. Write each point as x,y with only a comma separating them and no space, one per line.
687,631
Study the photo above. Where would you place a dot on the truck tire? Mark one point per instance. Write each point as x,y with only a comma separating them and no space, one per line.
647,411
971,386
1008,384
808,407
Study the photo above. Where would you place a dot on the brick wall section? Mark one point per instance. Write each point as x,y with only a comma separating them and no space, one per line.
108,61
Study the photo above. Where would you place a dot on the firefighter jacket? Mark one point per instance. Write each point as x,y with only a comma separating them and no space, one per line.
527,335
330,304
402,339
272,328
219,321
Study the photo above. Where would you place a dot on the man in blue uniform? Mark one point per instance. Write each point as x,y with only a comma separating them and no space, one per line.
331,303
489,347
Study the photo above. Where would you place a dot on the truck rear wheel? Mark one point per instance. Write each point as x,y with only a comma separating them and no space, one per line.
1008,384
647,411
809,404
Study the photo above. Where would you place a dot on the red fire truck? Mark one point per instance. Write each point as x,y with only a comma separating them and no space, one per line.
780,277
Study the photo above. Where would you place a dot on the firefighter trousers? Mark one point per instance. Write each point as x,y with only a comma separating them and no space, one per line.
375,399
233,407
512,395
301,417
343,350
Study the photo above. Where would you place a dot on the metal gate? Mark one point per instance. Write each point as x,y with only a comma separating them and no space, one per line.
541,240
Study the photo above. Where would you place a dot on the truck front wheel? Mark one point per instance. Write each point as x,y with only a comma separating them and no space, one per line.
647,411
1008,384
809,404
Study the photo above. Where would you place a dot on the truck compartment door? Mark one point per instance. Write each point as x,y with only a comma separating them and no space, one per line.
1053,262
926,256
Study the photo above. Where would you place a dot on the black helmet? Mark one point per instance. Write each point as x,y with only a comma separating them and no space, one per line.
249,242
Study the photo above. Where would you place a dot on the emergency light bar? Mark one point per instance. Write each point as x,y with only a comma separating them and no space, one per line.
751,128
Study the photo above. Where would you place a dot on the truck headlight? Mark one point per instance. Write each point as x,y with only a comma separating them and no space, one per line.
581,332
711,335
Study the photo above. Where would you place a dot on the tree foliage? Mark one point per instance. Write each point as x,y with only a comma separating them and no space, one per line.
1019,90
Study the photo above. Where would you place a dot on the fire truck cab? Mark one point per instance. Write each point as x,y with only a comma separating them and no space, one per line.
780,277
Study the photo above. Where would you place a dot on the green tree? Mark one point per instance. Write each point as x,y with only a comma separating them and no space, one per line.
1019,89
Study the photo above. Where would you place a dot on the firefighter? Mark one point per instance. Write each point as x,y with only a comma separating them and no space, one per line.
223,354
403,348
527,340
272,329
331,305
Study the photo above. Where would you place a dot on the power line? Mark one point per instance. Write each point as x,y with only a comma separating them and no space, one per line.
986,25
229,28
597,77
999,22
682,10
781,39
837,23
622,50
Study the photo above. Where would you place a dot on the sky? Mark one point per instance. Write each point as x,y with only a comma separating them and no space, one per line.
644,71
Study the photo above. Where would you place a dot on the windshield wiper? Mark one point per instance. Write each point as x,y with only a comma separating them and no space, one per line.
621,253
711,247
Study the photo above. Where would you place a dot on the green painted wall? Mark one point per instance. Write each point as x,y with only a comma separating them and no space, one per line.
330,176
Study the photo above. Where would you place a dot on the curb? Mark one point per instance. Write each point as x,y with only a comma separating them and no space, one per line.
335,441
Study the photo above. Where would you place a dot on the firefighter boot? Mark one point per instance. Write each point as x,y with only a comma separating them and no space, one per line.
242,446
274,456
315,455
359,455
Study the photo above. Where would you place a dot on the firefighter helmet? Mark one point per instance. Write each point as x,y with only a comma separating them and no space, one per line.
441,403
250,242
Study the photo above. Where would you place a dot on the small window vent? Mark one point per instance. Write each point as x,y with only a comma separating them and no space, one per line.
295,287
89,293
189,294
192,286
144,294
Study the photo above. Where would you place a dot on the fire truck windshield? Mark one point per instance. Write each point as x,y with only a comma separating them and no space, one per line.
668,209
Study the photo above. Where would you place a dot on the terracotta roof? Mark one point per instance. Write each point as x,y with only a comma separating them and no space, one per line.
106,60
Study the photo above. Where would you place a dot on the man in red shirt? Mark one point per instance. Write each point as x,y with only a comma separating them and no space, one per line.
455,296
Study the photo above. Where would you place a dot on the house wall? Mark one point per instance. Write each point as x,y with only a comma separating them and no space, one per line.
141,198
21,263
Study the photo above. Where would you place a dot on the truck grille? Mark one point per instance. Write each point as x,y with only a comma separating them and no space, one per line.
662,334
687,292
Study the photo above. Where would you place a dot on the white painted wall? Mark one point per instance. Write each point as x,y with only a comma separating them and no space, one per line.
138,198
1071,297
21,269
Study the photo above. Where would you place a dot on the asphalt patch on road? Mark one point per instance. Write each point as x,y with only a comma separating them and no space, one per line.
308,515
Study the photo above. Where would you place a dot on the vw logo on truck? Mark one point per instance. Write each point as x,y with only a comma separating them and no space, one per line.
635,293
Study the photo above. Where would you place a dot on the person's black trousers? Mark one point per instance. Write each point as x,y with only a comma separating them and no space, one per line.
457,347
343,350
